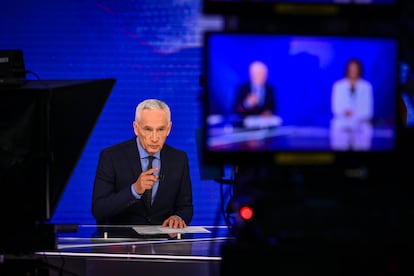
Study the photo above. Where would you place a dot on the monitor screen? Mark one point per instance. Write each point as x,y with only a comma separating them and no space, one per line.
268,93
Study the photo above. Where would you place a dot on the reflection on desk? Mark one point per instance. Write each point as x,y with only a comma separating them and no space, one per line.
292,138
123,239
109,250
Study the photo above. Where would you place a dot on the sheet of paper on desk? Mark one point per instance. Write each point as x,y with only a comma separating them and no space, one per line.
157,229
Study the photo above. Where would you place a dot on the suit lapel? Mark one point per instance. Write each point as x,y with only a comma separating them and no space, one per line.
133,157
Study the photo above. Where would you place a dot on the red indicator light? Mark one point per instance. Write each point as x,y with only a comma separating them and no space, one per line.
246,212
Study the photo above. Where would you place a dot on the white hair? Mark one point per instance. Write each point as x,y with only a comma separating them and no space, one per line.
153,104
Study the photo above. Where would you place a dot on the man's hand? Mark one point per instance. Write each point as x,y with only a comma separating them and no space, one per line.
145,181
174,222
252,100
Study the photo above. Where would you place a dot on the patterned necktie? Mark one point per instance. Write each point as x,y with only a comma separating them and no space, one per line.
148,193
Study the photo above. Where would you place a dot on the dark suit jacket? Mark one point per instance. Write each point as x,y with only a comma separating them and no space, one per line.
119,166
269,100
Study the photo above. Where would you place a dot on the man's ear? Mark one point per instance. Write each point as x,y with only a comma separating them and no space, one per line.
135,127
169,128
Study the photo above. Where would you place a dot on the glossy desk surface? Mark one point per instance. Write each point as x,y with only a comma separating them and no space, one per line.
124,242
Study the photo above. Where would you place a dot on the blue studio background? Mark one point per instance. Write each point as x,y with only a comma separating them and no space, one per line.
152,48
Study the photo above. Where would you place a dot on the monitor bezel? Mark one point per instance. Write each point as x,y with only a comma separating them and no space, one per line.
316,8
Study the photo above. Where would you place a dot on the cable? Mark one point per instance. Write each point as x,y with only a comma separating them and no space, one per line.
225,202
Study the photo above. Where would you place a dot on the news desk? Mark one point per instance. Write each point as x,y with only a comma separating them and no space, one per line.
122,252
92,250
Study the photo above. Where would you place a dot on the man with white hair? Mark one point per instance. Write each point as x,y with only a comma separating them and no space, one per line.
143,181
256,97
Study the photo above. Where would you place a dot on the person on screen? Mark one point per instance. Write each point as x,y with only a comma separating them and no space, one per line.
352,107
122,177
256,96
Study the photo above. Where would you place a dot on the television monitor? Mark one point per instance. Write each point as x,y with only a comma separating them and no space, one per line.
302,70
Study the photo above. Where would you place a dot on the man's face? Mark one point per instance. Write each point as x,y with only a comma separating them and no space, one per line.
152,129
258,75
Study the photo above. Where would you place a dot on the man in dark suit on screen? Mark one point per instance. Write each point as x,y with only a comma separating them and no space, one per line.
128,190
256,97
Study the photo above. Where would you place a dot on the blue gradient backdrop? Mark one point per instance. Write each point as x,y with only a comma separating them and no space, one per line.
152,49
